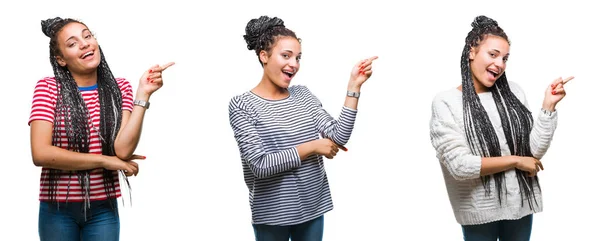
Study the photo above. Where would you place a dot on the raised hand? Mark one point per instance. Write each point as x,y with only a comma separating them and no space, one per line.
152,80
361,72
555,93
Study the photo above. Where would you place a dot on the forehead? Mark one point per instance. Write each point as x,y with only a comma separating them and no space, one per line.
287,43
71,29
495,42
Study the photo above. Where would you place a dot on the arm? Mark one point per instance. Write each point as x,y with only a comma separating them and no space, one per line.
44,154
133,116
453,149
251,149
544,124
340,131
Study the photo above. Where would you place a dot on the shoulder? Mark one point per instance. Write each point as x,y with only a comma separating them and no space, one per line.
301,89
46,84
517,90
47,81
240,101
123,83
445,103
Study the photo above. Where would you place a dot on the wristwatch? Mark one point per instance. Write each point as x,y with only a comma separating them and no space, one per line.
142,103
353,94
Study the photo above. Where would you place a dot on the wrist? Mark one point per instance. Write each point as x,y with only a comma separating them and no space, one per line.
353,87
140,95
515,160
549,107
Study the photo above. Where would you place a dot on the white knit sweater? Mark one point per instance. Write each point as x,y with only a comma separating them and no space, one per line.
461,168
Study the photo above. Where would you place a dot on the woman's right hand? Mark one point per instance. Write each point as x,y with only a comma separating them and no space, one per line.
152,80
325,147
129,166
530,165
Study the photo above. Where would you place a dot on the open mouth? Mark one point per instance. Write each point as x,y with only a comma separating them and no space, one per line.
289,73
88,55
493,73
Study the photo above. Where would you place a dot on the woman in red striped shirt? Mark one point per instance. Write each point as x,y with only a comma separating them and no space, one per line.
84,130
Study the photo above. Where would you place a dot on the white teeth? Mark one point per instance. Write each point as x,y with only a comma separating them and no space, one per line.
87,54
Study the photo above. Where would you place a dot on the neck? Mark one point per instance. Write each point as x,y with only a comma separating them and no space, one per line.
87,79
269,90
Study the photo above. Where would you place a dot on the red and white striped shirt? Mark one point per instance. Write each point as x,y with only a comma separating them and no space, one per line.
43,107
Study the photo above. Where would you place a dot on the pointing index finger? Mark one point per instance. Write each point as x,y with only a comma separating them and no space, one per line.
162,68
567,79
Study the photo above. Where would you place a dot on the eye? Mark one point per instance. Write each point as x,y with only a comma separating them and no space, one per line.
493,55
285,55
505,59
298,58
71,44
88,36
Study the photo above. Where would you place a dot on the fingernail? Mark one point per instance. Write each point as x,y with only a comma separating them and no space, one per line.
553,92
149,71
151,81
148,78
553,85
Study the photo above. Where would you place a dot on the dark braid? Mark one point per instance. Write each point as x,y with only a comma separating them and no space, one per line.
516,119
262,33
72,111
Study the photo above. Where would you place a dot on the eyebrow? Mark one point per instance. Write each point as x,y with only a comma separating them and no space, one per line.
498,51
290,51
85,29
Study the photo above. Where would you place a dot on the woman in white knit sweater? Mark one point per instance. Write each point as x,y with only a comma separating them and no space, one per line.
488,142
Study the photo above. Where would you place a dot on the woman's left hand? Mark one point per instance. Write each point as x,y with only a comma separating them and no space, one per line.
152,80
555,93
361,72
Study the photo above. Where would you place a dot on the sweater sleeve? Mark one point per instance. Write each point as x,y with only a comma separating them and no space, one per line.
251,148
450,144
543,126
337,130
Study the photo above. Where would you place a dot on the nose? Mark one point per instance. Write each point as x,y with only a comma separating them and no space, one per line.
84,44
294,63
500,63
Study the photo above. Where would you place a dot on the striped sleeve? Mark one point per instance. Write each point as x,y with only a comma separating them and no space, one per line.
127,93
337,130
44,102
261,164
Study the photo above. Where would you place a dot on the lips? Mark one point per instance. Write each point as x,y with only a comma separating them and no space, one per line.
289,74
493,74
87,55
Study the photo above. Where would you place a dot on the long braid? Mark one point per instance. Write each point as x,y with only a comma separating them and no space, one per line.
72,115
516,119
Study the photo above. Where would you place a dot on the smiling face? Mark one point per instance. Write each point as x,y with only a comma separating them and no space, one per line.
282,62
488,61
78,49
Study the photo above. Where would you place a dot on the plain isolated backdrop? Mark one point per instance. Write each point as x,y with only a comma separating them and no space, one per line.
389,185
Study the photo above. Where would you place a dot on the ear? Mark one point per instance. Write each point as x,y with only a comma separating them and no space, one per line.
264,57
472,53
60,61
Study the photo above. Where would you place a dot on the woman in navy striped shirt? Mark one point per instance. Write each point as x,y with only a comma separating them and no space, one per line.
278,129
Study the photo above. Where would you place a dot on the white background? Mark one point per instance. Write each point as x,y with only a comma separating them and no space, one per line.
389,185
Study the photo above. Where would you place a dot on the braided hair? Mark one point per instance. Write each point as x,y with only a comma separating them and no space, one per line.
262,33
72,111
516,119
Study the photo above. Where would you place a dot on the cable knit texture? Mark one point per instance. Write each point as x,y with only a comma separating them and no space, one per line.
461,168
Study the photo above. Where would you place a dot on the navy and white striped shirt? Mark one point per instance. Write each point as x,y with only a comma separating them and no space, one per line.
285,190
